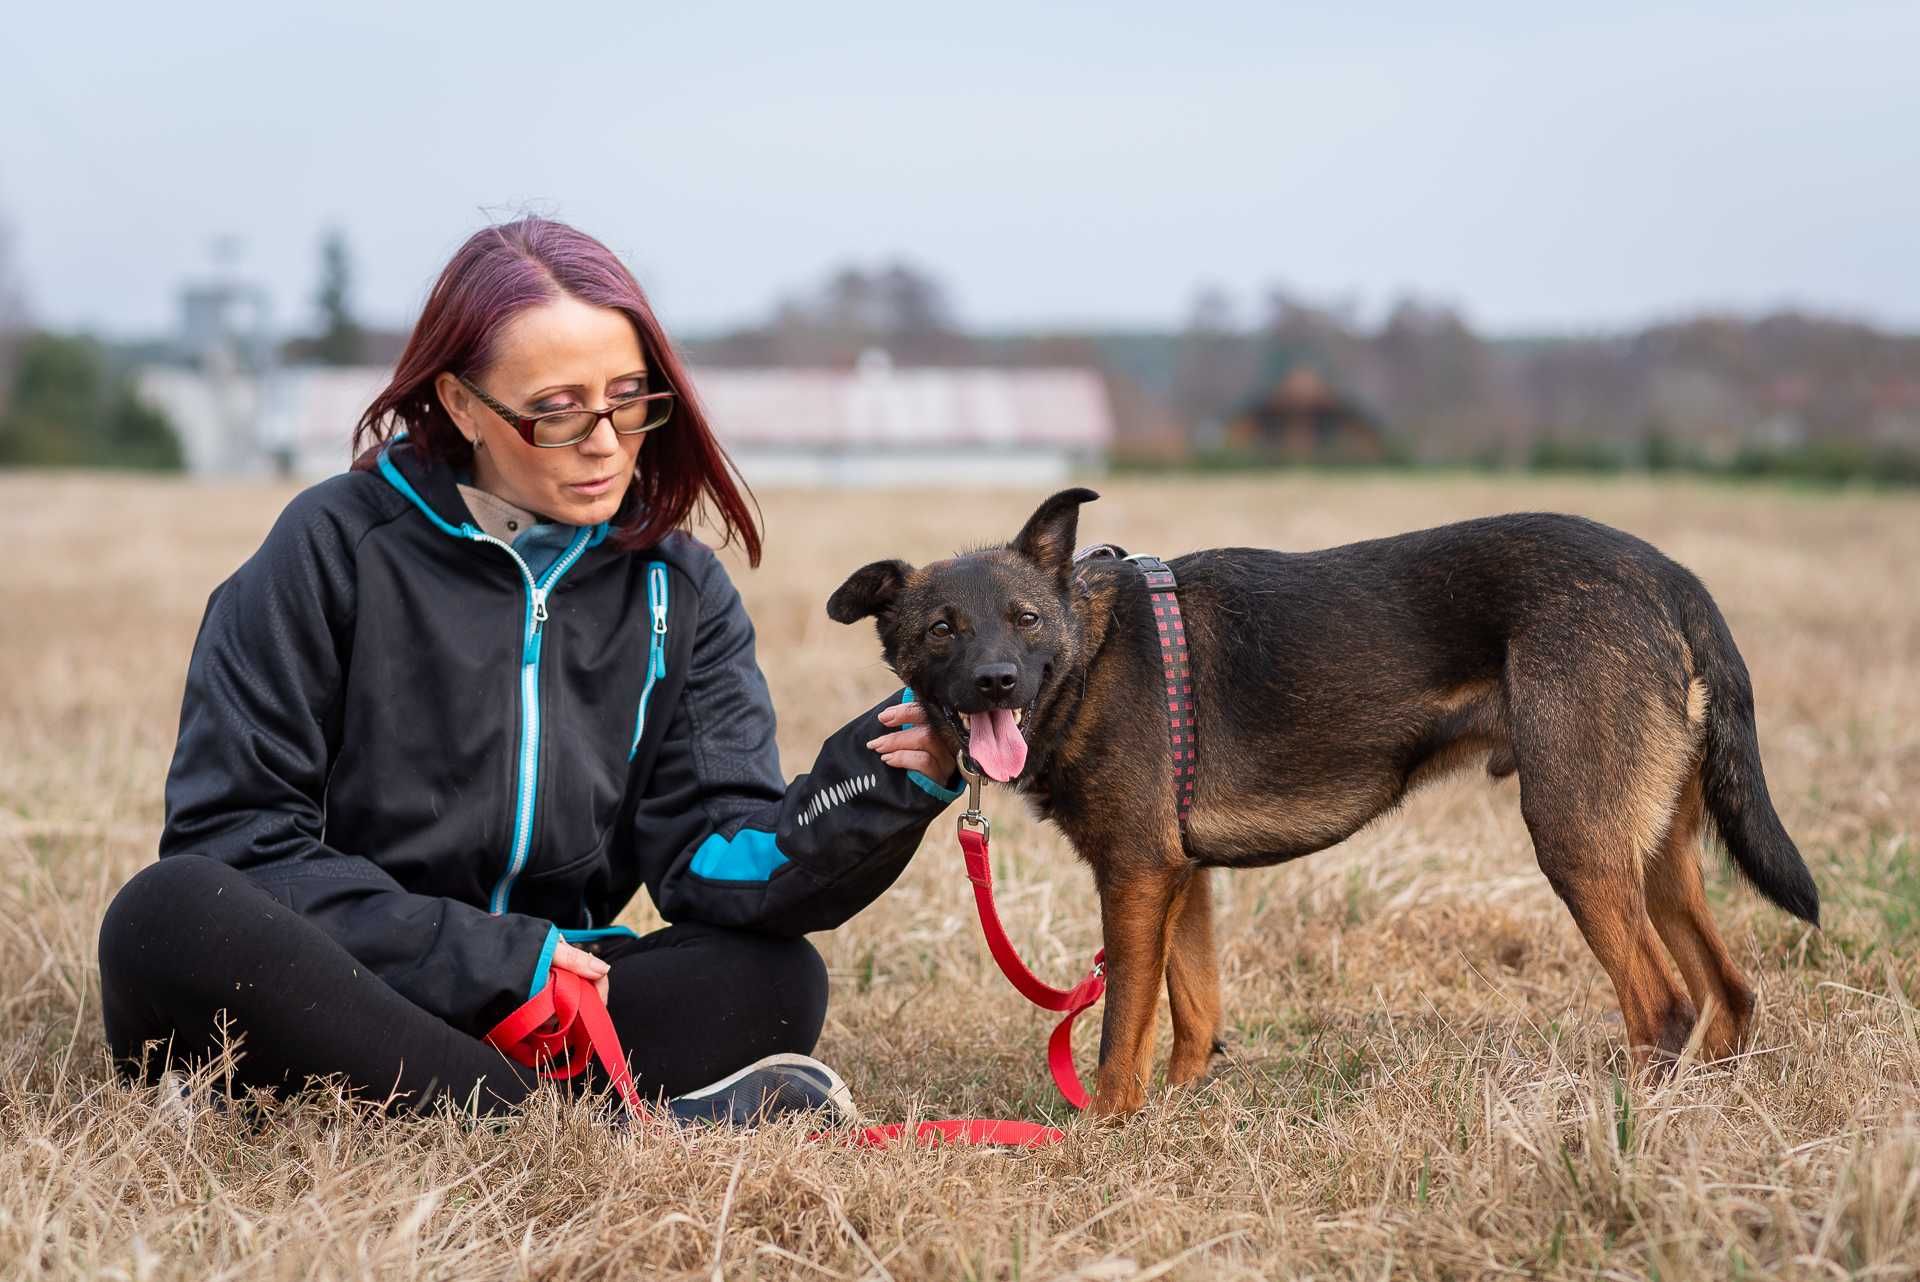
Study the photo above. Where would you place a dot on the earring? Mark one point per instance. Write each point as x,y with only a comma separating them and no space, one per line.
478,442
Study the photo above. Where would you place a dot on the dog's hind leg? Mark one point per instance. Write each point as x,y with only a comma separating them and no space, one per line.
1597,779
1136,911
1677,902
1193,983
1612,917
1609,907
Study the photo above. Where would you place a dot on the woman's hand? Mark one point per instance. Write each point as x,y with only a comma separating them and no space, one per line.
584,964
916,749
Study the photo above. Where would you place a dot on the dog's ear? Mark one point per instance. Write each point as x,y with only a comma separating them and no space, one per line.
868,591
1047,538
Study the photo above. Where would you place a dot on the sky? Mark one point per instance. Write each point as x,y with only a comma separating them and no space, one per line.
1053,165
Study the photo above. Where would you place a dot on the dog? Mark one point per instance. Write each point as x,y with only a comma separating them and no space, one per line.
1328,685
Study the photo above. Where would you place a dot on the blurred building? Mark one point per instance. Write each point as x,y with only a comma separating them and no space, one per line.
1301,418
218,376
875,424
296,422
882,424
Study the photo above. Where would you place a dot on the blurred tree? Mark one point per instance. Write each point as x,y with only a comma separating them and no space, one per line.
1214,369
13,312
1442,380
68,409
341,340
896,306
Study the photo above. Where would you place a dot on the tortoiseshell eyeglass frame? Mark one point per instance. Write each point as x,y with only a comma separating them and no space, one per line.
525,424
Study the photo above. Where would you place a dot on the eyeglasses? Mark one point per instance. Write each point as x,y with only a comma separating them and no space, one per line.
630,416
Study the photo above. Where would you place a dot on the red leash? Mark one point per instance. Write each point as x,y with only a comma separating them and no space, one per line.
1070,1001
964,1130
582,1030
565,1024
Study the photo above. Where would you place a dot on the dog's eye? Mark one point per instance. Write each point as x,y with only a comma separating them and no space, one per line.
1027,619
940,629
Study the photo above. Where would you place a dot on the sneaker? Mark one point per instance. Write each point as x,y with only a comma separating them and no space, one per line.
173,1098
774,1087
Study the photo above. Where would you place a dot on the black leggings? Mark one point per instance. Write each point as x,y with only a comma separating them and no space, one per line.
188,937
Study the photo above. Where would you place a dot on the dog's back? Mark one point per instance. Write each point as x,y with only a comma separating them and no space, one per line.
1336,680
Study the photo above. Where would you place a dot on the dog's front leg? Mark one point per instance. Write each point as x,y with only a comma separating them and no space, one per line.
1136,917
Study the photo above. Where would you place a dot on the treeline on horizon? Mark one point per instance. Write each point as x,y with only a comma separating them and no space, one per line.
1789,395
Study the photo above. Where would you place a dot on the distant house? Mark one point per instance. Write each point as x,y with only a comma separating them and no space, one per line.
1300,417
875,424
879,424
291,420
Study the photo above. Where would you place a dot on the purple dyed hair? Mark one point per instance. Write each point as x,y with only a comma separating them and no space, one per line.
503,270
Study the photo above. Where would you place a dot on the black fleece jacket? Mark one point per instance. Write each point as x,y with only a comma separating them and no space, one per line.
449,763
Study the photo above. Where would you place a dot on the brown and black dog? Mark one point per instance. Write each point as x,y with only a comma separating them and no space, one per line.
1328,685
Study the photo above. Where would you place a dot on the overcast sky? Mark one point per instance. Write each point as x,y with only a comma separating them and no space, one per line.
1052,164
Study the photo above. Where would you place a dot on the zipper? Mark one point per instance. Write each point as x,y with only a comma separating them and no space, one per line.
529,760
656,646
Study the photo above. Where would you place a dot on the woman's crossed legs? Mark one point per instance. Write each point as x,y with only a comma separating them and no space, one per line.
189,940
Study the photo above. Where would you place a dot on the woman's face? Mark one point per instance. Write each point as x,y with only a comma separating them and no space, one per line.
563,354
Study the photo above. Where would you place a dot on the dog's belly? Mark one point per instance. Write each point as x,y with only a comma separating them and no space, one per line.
1249,829
1245,841
1253,827
1254,859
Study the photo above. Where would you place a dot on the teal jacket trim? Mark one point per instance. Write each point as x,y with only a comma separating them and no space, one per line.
748,855
543,968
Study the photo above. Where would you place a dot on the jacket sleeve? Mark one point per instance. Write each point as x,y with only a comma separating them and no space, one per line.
725,839
259,724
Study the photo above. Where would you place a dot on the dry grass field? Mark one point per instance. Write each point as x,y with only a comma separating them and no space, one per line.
1425,1077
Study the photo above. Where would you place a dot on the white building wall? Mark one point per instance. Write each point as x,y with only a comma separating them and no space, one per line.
861,469
873,426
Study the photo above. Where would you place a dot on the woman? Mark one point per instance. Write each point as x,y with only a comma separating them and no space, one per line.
467,699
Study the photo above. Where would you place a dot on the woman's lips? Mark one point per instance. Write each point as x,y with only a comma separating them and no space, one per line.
591,487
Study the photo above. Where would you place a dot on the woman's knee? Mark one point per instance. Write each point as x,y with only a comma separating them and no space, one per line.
154,946
805,989
139,953
135,928
789,979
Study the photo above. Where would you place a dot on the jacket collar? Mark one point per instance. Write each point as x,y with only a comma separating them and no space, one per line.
435,491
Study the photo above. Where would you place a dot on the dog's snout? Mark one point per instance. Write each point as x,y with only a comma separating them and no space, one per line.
995,678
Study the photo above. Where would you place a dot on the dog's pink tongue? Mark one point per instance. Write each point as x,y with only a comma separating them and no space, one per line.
996,743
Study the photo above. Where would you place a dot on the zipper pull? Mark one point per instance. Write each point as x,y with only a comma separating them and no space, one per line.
539,607
659,602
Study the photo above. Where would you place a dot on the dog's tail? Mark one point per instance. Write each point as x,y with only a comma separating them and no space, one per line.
1730,774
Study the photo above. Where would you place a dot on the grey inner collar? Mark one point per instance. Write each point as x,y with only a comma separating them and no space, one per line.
496,516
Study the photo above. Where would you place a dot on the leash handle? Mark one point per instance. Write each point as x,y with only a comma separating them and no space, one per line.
582,1031
1066,1077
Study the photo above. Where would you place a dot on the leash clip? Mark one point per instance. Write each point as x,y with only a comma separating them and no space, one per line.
972,817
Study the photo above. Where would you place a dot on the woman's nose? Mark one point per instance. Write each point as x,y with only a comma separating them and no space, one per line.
602,440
